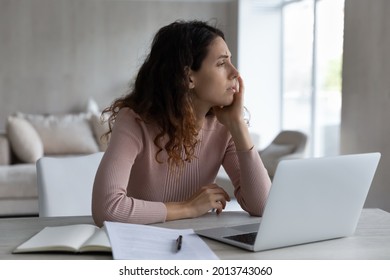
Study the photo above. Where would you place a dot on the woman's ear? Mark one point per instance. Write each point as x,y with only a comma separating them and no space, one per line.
191,83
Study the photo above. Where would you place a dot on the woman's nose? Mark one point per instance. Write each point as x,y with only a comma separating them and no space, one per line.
234,72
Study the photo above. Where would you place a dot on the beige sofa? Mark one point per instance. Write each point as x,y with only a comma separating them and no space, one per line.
29,137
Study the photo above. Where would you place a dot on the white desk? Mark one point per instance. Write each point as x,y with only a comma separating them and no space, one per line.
371,239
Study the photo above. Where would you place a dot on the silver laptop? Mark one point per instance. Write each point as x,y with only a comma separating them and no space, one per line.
310,200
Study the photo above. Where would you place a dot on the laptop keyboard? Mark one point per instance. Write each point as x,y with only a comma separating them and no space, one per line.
247,238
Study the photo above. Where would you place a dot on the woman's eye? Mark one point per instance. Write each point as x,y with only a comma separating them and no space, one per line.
221,63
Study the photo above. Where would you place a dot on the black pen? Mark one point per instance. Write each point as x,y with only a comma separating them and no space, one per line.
179,241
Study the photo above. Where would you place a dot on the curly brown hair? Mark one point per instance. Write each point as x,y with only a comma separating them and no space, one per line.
160,93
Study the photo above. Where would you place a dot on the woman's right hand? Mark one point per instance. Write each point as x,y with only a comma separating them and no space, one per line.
206,198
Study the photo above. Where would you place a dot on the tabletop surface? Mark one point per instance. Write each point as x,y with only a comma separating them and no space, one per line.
370,241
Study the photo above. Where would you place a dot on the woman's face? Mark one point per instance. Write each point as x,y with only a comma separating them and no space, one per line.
215,82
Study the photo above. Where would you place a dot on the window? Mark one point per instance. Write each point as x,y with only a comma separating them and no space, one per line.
296,82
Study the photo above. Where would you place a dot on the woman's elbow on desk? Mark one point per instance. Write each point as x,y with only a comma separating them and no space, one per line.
253,211
103,211
100,215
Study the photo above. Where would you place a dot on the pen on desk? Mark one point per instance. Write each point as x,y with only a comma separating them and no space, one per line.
179,242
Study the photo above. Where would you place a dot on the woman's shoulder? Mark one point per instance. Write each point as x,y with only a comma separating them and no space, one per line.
127,112
128,116
127,119
133,122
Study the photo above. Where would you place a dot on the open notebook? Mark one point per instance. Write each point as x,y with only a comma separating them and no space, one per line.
79,238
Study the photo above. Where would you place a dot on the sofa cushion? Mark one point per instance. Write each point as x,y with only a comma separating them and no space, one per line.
18,181
19,207
24,140
64,134
5,155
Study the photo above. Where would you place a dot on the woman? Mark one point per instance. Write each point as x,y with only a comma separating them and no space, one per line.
168,138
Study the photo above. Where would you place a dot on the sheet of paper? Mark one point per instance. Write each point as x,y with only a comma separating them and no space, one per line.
141,242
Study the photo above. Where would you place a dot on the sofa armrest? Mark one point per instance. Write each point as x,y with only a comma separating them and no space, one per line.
5,154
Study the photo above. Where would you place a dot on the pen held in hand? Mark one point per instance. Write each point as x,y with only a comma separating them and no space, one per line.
179,242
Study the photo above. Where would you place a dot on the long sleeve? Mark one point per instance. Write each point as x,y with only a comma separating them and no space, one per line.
249,177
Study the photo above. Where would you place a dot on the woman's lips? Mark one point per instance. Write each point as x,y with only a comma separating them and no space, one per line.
233,89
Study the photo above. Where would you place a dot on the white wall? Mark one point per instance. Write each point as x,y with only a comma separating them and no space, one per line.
365,123
55,55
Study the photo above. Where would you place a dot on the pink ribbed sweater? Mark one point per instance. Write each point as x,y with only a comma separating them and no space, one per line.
130,186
